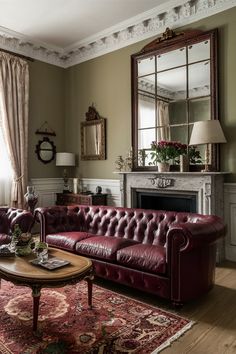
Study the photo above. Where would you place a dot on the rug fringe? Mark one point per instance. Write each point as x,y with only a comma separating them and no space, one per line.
174,337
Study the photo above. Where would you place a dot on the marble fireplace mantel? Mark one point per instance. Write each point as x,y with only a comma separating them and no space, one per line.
207,186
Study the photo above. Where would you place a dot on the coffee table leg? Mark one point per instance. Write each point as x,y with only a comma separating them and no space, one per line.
90,290
36,292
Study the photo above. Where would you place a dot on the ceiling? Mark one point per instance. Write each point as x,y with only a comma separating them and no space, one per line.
69,32
62,23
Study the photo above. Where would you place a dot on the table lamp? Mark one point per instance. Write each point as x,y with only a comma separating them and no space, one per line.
65,159
207,132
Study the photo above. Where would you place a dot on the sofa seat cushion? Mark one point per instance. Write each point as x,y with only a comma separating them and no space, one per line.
66,240
103,247
148,258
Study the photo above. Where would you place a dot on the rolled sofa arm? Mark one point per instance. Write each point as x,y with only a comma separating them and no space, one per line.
191,256
21,217
57,219
190,235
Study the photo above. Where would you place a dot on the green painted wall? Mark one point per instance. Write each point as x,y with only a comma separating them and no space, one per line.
47,94
105,81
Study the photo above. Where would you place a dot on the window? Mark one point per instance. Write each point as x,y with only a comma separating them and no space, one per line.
6,173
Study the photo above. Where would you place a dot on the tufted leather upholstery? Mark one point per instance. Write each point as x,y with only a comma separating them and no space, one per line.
151,244
10,217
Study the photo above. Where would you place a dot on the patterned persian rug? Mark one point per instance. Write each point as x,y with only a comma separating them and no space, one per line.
116,324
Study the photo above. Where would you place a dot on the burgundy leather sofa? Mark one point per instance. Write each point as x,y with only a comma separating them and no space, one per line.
10,217
169,254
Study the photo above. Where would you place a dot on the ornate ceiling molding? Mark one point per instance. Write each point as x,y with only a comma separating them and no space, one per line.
172,14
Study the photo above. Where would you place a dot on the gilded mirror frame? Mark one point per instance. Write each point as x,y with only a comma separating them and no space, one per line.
93,136
171,41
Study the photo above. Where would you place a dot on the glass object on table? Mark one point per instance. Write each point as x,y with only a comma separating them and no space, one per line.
41,250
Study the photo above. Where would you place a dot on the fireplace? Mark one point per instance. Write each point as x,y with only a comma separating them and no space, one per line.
168,200
195,191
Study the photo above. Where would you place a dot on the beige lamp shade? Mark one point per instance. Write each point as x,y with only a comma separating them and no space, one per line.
65,159
207,132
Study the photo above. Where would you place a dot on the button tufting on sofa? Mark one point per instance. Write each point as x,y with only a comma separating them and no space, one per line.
169,254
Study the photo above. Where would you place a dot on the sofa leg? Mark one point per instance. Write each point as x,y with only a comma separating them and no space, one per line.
177,305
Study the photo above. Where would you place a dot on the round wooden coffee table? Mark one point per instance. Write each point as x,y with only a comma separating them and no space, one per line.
20,271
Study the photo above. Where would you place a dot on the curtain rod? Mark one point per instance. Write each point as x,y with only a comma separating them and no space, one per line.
16,55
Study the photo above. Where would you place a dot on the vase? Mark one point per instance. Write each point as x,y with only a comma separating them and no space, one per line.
184,163
75,185
31,198
163,166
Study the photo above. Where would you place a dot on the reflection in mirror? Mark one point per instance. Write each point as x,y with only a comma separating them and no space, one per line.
199,79
199,51
93,140
46,155
46,145
179,133
45,150
146,84
146,111
178,112
146,66
174,85
200,107
171,59
171,84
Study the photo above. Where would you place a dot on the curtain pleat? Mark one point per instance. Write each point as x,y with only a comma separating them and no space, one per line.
14,103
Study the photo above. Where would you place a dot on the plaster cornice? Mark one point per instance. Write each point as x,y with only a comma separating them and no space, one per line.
172,14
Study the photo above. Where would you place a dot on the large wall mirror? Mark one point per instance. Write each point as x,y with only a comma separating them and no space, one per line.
174,84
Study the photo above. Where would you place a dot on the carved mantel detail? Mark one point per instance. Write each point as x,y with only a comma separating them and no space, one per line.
162,182
143,26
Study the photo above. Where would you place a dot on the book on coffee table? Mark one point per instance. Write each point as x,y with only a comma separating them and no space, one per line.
52,263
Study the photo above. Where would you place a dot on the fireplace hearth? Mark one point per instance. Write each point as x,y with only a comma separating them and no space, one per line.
171,201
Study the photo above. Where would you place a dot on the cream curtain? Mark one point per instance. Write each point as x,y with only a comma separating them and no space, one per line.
14,102
163,133
5,172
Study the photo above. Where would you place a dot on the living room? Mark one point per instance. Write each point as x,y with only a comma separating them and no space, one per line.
97,72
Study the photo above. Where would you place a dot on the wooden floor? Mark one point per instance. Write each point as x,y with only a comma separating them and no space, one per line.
214,314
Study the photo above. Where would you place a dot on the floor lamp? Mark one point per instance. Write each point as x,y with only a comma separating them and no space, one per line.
207,132
65,159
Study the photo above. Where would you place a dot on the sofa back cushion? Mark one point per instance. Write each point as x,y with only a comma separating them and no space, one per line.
141,225
9,217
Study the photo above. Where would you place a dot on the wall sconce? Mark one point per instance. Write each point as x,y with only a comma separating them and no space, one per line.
207,132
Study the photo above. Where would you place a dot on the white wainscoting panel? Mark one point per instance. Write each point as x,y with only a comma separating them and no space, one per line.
46,188
109,186
230,219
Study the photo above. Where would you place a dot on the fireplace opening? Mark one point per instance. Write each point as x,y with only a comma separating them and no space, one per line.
171,201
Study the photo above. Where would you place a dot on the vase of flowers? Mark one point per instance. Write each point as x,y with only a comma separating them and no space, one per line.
163,166
22,242
163,152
